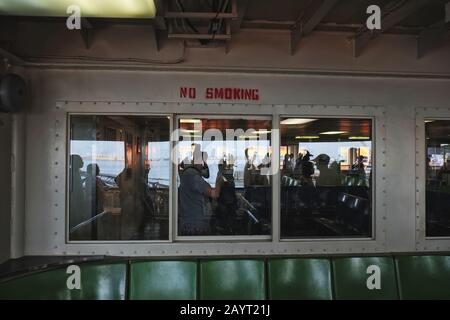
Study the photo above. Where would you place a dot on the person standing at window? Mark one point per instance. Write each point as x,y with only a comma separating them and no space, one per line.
193,194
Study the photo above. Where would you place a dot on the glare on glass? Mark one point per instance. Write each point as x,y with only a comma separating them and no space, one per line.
326,178
118,178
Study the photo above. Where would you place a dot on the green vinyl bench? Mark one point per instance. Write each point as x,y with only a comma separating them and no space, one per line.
287,278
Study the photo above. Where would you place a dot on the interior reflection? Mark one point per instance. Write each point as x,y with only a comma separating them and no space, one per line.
224,183
326,177
438,178
119,178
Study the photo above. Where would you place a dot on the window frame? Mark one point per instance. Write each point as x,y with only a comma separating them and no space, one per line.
68,150
174,182
424,242
61,112
374,166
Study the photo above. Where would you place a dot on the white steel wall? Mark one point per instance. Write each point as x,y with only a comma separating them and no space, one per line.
392,101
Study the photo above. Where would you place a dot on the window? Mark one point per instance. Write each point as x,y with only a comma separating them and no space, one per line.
437,178
119,177
224,181
326,177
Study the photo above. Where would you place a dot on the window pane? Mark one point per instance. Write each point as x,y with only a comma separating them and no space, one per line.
326,177
224,182
438,178
119,178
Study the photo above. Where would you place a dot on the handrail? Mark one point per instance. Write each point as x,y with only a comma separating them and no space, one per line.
82,224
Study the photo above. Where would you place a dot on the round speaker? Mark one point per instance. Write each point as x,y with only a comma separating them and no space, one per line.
13,93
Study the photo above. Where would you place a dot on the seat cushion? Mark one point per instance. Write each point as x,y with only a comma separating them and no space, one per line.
163,280
98,282
351,277
424,277
232,280
299,279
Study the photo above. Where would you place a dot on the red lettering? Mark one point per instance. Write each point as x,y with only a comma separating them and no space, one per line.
247,94
255,95
228,94
186,92
218,93
183,92
209,93
236,94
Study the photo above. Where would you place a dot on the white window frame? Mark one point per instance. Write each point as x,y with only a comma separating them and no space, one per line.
247,247
423,242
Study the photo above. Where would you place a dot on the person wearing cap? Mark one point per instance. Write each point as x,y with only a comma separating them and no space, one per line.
328,176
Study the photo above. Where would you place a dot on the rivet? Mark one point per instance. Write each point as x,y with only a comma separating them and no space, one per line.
55,233
135,252
56,204
55,247
56,177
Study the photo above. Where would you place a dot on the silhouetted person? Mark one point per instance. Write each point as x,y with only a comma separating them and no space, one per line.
193,194
94,188
77,200
249,169
307,170
328,176
227,201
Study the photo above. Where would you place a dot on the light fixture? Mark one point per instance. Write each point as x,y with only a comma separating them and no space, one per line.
333,132
248,137
88,9
359,138
428,121
190,121
263,131
190,131
293,121
307,137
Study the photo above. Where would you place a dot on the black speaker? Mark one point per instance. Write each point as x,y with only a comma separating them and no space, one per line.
13,93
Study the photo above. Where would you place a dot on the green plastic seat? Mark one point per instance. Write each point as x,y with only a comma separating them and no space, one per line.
232,280
351,278
98,282
297,279
163,280
424,277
